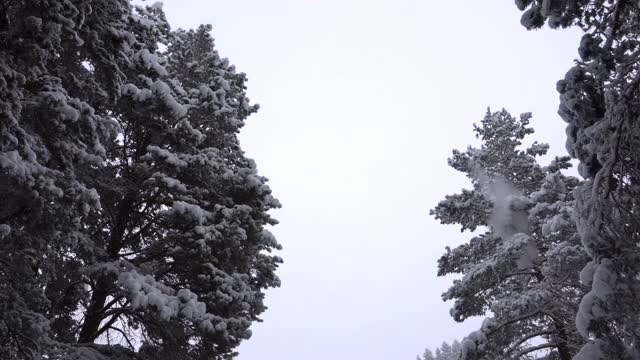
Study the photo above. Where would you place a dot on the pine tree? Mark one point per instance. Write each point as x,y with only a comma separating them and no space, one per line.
600,101
521,263
444,352
134,225
49,129
427,355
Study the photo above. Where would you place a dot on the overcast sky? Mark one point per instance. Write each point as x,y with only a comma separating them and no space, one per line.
361,104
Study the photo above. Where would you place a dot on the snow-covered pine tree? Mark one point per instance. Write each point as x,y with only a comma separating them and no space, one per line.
521,264
600,101
427,355
135,225
48,130
443,352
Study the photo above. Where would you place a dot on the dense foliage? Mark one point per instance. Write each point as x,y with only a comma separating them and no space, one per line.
600,101
132,224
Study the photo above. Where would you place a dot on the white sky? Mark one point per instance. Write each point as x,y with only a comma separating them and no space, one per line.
361,104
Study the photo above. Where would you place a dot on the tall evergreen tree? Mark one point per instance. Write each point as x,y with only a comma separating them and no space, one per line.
600,101
134,225
520,263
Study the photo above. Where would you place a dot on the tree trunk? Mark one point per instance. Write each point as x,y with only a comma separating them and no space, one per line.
95,311
563,350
